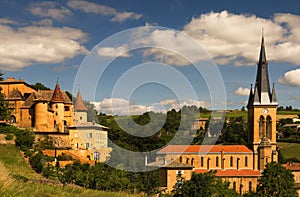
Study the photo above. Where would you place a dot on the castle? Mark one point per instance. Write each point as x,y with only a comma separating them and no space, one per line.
238,164
52,113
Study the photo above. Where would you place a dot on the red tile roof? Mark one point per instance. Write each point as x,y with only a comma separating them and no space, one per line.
172,149
57,96
292,166
233,172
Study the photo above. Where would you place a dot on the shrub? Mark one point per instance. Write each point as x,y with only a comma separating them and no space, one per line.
9,137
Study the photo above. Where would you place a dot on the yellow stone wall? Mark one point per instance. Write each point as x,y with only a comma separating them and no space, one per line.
224,160
18,84
242,183
169,177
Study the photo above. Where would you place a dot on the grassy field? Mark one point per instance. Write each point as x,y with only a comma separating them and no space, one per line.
13,164
289,150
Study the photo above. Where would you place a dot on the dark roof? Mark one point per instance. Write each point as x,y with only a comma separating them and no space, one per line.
44,95
79,104
262,91
15,94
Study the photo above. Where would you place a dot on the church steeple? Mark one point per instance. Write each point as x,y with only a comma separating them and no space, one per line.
79,104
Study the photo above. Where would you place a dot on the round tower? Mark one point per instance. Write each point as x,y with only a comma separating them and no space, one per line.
41,121
57,105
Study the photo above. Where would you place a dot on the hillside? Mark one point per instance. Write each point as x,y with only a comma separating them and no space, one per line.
18,179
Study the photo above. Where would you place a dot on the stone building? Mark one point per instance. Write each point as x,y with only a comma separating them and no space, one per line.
238,164
41,110
84,135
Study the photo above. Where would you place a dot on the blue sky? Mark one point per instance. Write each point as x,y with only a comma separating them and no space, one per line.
45,40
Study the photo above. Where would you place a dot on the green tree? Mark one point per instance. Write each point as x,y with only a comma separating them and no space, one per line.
4,112
204,184
36,162
40,86
276,180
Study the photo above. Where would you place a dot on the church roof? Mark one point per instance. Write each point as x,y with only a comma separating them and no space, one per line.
57,95
233,172
202,149
79,104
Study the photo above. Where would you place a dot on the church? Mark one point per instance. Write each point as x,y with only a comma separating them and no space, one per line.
240,165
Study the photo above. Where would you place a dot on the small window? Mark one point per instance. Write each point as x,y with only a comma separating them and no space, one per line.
87,145
231,161
246,161
180,159
201,161
217,161
187,160
67,108
90,135
192,161
234,185
80,118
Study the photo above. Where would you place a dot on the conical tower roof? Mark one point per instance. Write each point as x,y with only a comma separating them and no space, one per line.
57,95
79,104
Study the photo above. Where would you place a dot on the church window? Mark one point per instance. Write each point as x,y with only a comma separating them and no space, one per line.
269,127
217,161
208,159
180,159
246,161
201,161
192,161
234,185
261,127
237,163
187,160
231,161
250,186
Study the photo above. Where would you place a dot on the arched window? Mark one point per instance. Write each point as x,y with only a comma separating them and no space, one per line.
217,161
237,163
201,161
269,127
250,186
234,185
187,160
192,161
180,159
246,161
208,159
261,126
231,161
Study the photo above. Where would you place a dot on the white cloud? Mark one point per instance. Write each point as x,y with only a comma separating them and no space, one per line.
229,39
120,106
50,9
7,21
242,91
90,7
44,22
23,46
113,52
291,78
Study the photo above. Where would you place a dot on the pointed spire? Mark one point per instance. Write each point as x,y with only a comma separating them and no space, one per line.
57,95
262,55
256,96
250,100
79,104
274,98
262,76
